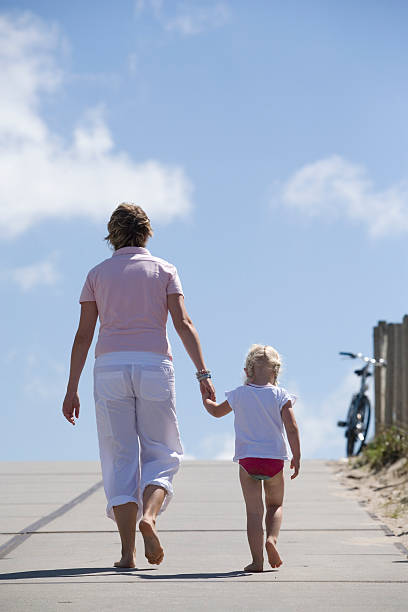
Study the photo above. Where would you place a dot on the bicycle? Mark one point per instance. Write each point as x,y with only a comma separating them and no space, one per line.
359,412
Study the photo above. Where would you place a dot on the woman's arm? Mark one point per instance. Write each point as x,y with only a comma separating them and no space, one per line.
189,336
80,348
217,410
292,433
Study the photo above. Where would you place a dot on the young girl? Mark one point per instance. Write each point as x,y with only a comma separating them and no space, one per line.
261,409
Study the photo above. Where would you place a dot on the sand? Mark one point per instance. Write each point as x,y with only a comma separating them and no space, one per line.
384,493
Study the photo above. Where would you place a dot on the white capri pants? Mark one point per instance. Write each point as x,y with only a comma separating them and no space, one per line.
139,440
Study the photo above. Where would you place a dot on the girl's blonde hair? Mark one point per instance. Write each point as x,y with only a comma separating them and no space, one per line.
128,226
265,356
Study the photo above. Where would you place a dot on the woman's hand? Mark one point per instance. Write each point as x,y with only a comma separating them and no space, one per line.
205,393
70,407
207,389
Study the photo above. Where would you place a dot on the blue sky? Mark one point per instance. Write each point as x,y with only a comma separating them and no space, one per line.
268,143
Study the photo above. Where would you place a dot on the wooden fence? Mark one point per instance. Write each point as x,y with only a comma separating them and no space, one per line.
391,383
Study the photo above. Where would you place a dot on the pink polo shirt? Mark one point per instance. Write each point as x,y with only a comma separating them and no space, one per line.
130,290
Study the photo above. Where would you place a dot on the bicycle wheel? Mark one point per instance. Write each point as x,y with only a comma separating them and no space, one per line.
362,423
358,421
351,433
351,440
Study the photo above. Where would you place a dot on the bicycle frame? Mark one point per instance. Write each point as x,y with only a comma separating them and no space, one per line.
365,373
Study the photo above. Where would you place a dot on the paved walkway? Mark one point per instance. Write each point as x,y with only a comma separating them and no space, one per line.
56,547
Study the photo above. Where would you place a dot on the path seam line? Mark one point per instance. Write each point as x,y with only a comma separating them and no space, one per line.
27,532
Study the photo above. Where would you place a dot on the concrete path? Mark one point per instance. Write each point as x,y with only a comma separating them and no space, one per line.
56,547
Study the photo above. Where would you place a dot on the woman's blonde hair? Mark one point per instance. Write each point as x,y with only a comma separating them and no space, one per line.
128,226
264,356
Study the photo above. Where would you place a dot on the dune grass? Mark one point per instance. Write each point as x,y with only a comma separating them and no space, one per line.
388,446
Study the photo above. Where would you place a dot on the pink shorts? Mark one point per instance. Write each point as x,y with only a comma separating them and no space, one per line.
262,468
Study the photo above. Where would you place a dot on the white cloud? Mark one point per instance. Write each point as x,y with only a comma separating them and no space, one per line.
217,446
41,273
40,175
333,187
187,18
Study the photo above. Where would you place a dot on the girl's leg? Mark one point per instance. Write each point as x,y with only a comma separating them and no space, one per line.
125,516
153,498
252,491
274,488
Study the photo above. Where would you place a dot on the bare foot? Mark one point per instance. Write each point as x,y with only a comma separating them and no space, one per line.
254,567
153,550
273,555
127,561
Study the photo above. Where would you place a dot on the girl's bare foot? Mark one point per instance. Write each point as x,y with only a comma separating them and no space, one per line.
153,550
273,555
128,561
254,567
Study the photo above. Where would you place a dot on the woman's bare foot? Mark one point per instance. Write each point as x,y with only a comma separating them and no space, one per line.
153,550
254,567
127,561
273,555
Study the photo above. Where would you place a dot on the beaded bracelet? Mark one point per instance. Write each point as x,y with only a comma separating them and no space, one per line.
203,377
203,374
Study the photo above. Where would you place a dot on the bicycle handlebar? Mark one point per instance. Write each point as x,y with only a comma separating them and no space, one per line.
375,362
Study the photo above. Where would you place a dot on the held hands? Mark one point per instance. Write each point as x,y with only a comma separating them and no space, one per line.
70,407
207,389
295,465
208,395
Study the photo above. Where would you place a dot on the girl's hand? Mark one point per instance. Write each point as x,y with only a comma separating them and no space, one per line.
209,404
216,410
70,407
207,389
295,465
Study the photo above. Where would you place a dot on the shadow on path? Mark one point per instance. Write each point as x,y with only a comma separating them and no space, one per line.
198,576
69,572
88,571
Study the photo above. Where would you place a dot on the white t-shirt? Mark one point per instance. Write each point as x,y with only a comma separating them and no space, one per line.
258,422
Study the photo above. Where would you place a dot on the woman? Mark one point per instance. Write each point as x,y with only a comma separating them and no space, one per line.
139,441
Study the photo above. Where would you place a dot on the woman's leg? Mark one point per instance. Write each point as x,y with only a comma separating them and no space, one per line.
153,498
126,515
119,452
160,448
252,491
274,489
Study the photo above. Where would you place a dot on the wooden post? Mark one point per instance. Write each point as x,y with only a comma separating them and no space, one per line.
389,390
380,352
404,358
398,388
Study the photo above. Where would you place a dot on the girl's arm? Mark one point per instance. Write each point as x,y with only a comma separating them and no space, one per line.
216,410
80,348
292,433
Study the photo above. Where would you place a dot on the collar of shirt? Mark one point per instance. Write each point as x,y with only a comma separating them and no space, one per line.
131,251
260,386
